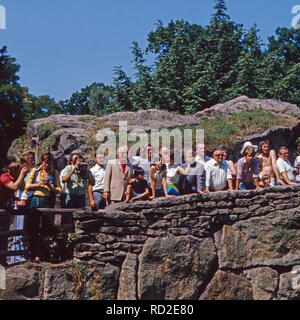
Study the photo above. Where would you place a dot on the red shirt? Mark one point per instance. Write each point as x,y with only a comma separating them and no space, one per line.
5,193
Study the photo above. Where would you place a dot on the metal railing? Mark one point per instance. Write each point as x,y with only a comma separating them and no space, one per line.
61,221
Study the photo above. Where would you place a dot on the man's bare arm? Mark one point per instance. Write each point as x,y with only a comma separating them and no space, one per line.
286,179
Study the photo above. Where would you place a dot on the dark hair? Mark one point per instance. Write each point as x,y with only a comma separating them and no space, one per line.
282,148
23,160
265,177
262,143
172,155
221,147
72,155
27,154
138,171
49,154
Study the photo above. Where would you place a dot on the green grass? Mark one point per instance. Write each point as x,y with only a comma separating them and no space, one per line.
228,130
87,118
223,130
217,131
46,145
46,129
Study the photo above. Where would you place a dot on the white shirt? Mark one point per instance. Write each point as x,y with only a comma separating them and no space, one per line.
285,165
24,195
172,176
217,175
63,185
98,173
206,159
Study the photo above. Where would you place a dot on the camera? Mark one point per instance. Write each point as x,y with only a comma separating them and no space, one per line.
81,167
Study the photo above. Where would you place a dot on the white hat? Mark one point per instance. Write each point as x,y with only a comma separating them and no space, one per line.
249,144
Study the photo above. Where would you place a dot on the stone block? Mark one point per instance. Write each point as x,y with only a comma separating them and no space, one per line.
173,268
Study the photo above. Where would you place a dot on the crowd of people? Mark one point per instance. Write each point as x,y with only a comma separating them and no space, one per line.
23,184
143,177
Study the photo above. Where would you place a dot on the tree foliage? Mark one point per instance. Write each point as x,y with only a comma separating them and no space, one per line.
194,67
11,97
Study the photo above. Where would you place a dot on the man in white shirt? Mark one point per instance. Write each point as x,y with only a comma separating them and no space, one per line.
201,154
218,173
96,192
284,166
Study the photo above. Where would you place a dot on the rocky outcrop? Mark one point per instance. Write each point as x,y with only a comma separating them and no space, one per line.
237,246
279,136
243,103
64,134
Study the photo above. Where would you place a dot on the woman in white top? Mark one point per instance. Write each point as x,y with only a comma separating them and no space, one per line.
173,174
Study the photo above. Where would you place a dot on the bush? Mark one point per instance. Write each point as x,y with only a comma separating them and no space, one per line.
45,130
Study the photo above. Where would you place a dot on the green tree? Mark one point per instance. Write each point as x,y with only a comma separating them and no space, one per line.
122,90
100,101
281,77
143,95
11,97
79,101
40,107
193,64
247,70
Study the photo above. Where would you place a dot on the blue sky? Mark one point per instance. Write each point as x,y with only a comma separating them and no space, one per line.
64,45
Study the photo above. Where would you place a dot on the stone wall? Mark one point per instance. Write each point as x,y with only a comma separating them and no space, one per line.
241,245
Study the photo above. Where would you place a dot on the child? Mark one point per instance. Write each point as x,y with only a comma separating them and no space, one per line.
138,188
265,181
158,179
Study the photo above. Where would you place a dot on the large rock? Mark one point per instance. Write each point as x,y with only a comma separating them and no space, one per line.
253,284
261,241
58,284
174,267
77,133
278,136
127,281
228,286
243,103
21,284
264,282
101,283
289,285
